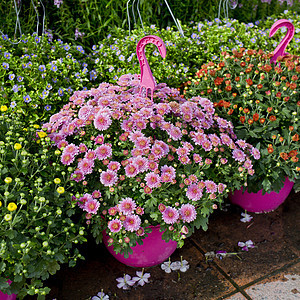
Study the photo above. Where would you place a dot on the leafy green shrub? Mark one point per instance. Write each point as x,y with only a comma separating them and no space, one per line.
38,231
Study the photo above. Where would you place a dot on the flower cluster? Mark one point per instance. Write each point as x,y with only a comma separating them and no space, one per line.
262,101
167,162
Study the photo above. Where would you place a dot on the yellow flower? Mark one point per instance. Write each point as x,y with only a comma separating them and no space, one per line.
57,180
12,206
17,146
0,203
7,217
8,180
36,126
3,108
42,134
60,190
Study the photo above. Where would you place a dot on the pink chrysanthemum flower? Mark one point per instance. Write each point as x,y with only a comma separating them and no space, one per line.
82,200
198,138
247,164
211,187
82,148
152,165
214,140
135,135
132,223
194,193
242,144
166,177
114,225
157,151
62,144
175,133
152,180
127,206
193,178
223,161
112,211
140,231
238,155
185,160
71,149
99,139
67,158
84,112
91,206
170,215
142,143
86,166
114,166
131,170
188,213
103,151
255,152
127,125
161,207
139,211
221,188
102,121
207,145
170,170
140,124
226,140
142,163
108,178
222,123
136,152
96,194
181,151
197,158
77,176
91,155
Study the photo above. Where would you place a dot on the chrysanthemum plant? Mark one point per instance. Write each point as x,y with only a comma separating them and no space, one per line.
37,227
262,101
138,162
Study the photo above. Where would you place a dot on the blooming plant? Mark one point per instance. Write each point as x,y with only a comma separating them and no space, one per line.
262,101
138,162
37,229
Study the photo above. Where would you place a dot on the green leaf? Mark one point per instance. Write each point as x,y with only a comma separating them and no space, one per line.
53,267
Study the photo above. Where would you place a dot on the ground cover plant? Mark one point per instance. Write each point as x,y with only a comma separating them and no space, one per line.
38,231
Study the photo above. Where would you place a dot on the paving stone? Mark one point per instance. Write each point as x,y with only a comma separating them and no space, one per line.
284,286
237,296
276,236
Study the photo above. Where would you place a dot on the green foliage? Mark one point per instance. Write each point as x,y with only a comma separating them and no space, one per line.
38,231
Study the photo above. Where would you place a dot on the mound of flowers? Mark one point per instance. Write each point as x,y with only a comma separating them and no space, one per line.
262,101
137,162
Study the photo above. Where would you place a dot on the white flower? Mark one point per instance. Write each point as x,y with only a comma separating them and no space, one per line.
246,245
141,278
175,266
166,266
125,282
101,296
184,266
246,218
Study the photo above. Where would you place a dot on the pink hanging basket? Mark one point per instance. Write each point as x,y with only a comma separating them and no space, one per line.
7,297
152,252
259,203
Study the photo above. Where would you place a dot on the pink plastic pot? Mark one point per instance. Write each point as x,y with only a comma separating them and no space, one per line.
153,251
259,203
7,297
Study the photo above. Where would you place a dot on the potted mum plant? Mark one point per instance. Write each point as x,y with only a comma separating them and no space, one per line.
37,228
262,102
166,162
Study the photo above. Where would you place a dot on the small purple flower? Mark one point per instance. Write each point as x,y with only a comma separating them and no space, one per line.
246,218
125,282
5,66
48,107
27,99
11,76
